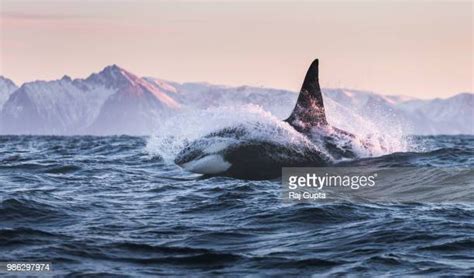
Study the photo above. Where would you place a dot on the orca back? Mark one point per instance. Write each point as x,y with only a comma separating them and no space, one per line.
309,109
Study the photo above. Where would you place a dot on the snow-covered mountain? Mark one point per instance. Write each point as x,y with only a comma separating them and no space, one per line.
452,115
136,106
351,110
7,87
115,101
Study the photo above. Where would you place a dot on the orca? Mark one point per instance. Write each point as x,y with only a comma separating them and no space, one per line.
233,152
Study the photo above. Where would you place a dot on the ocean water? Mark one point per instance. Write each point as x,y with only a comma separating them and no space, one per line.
107,205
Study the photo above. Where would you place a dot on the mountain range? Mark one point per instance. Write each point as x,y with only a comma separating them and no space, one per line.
115,101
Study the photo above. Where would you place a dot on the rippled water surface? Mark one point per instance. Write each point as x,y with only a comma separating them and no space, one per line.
95,205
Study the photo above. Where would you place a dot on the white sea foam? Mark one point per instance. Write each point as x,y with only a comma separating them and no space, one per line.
190,125
383,130
384,134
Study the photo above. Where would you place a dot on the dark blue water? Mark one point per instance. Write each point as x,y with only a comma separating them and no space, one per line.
104,205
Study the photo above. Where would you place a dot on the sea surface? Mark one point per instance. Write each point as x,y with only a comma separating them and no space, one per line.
107,205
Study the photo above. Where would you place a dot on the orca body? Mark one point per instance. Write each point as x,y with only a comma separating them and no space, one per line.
233,152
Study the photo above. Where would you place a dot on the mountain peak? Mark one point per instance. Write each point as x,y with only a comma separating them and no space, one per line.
7,81
113,76
66,78
113,67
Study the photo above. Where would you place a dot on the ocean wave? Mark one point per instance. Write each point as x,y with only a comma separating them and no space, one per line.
14,209
443,157
111,206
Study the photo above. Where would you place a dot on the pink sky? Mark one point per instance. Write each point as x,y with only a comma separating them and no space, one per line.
416,48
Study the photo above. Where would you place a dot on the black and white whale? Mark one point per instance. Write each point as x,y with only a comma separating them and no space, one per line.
238,152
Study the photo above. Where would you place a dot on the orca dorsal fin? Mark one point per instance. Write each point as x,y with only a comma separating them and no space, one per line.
309,109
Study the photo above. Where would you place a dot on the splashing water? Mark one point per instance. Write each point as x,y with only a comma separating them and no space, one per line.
382,129
190,125
384,136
